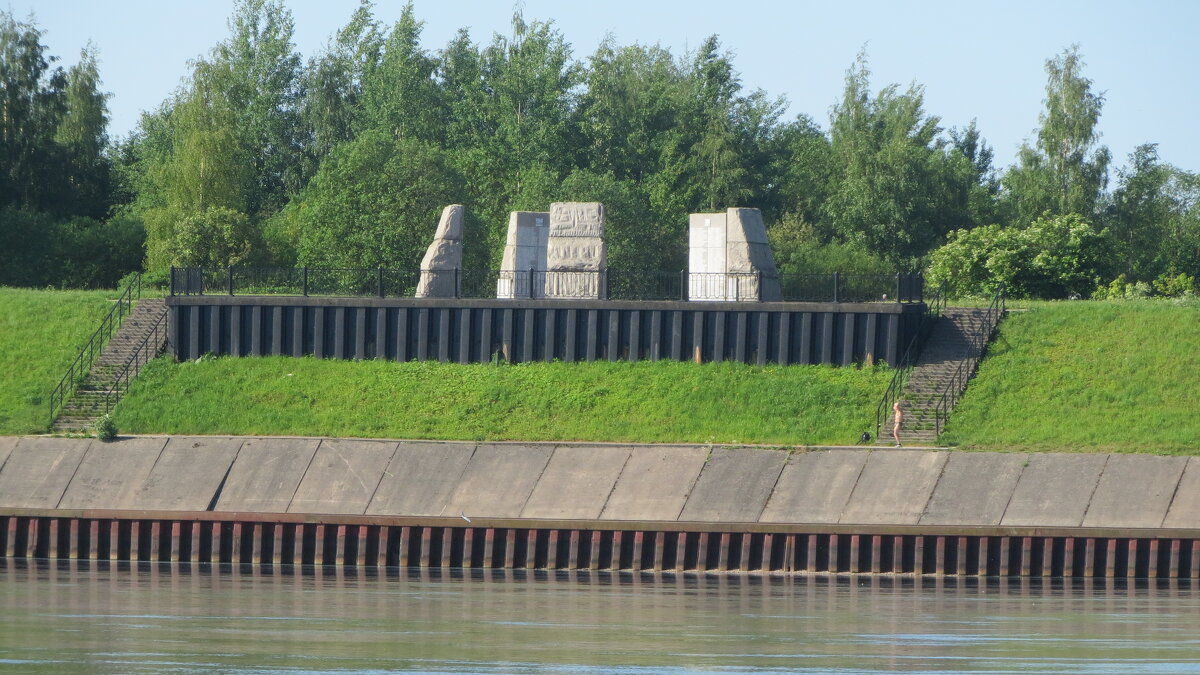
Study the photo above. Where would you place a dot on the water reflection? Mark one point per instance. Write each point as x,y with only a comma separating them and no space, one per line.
198,617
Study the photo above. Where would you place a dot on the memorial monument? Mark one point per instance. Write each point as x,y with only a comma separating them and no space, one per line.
443,259
729,258
524,256
555,254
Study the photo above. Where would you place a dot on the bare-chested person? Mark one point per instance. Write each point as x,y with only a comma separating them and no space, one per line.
897,419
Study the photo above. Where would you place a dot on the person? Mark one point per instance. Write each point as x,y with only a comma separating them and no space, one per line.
897,419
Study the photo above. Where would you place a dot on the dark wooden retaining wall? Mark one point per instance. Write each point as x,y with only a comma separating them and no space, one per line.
378,542
474,331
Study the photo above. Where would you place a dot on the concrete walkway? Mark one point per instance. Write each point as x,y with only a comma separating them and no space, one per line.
601,482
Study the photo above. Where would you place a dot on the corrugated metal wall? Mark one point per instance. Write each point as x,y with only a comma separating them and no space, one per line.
477,331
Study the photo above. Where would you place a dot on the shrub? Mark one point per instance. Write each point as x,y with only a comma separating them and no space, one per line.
106,429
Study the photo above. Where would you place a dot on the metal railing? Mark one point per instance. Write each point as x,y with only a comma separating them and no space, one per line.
611,284
142,354
966,369
905,365
82,364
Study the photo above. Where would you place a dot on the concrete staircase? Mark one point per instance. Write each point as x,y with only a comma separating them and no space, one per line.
87,404
949,345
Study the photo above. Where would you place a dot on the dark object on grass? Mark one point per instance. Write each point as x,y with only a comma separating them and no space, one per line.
865,438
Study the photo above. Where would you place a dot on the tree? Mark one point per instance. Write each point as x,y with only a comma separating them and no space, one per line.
374,203
398,93
83,135
333,83
896,189
1054,257
1066,170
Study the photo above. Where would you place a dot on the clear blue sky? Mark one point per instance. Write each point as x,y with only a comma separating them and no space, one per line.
976,60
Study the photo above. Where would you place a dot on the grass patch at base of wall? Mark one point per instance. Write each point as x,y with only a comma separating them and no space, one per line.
1088,376
600,401
41,332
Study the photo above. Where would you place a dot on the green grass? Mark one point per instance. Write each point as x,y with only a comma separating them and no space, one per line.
1088,376
41,332
602,401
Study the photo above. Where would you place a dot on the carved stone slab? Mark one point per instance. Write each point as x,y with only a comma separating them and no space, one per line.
728,254
524,250
443,257
576,255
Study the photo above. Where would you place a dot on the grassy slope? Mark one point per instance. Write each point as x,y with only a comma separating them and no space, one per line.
649,402
40,334
1088,376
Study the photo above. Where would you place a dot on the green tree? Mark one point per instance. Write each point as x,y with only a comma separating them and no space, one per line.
83,135
374,203
1065,171
333,83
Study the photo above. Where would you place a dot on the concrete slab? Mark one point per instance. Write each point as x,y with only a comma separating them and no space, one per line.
815,486
343,476
734,485
38,470
266,473
894,487
420,479
7,443
498,480
655,483
1054,490
1185,507
577,482
188,474
111,474
974,489
1134,491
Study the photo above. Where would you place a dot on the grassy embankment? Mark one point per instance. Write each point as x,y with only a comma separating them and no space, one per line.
40,334
632,402
1088,377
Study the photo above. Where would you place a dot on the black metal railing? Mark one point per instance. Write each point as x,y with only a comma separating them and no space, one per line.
611,284
149,348
905,364
82,364
958,381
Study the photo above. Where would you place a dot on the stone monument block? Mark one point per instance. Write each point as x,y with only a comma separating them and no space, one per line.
728,256
524,250
443,258
576,255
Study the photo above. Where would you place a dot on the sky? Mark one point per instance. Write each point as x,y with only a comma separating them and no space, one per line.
982,61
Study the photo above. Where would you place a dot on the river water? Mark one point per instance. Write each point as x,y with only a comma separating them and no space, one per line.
118,617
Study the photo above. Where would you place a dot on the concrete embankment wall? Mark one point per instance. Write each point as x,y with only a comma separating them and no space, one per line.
574,481
472,331
592,506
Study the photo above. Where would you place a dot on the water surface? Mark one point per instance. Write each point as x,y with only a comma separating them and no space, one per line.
123,617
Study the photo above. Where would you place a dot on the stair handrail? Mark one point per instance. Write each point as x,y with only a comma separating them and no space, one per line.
966,368
151,344
87,356
905,365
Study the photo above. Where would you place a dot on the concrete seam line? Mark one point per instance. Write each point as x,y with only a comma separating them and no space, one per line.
73,473
1016,484
857,477
1175,492
382,473
787,457
212,503
316,451
525,502
688,495
941,475
458,481
1087,507
613,488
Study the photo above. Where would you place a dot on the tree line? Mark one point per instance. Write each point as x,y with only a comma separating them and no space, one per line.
345,160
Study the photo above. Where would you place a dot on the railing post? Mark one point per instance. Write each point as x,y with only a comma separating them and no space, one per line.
898,298
532,271
457,290
683,283
760,286
172,282
379,281
229,278
604,280
306,281
835,286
